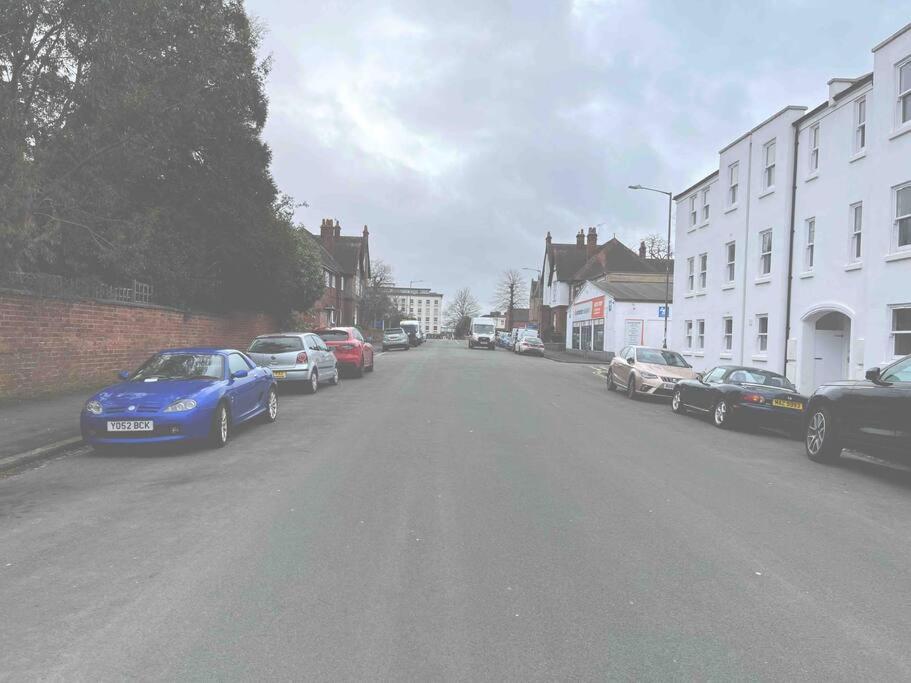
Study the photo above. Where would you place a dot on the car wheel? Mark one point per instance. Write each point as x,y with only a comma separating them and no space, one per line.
821,441
337,378
385,349
221,427
359,370
721,414
470,345
272,405
372,366
611,385
631,388
677,403
313,385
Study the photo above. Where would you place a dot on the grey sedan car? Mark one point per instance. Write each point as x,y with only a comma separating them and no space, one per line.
395,338
298,357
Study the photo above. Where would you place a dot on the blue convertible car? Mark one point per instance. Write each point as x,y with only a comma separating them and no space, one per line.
178,395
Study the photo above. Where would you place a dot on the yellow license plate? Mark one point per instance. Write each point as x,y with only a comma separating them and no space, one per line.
279,374
781,403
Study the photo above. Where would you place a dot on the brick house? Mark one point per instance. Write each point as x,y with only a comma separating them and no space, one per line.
346,267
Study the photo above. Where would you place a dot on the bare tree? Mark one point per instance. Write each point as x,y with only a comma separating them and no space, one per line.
510,290
376,303
460,311
655,246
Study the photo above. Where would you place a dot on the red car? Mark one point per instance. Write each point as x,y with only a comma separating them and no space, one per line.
351,350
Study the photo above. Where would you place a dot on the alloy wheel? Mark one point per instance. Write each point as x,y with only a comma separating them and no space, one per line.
721,413
631,387
611,386
816,433
677,402
273,405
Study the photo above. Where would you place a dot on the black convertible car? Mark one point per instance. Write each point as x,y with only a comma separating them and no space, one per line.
732,394
871,415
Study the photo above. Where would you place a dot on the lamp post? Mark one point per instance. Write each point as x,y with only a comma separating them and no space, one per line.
667,265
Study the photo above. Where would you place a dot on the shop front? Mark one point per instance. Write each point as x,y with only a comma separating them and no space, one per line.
588,324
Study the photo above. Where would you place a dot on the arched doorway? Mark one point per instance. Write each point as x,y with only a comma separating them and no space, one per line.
826,348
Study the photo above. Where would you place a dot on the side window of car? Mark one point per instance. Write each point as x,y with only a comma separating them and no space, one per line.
236,363
715,376
313,343
358,335
900,372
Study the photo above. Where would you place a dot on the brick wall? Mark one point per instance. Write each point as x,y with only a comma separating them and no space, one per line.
53,345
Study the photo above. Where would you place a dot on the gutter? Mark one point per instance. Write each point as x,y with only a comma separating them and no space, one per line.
787,308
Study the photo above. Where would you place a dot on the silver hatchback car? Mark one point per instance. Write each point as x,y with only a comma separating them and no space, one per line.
296,357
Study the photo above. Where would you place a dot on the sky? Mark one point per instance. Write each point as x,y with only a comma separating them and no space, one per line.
462,131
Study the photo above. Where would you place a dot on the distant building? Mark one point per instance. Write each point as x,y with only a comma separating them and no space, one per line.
421,304
346,267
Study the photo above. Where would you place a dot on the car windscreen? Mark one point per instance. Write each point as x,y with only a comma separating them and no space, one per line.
334,335
410,328
276,345
531,340
661,357
900,372
760,378
394,331
482,329
168,366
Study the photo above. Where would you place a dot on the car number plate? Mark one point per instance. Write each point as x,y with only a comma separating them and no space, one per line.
781,403
279,374
130,426
668,385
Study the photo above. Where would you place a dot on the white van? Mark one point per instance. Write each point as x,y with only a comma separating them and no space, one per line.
483,332
413,330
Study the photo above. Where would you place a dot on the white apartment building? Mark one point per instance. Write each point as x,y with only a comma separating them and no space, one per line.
802,261
420,303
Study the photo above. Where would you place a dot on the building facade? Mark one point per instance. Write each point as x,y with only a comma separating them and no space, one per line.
809,274
421,304
346,267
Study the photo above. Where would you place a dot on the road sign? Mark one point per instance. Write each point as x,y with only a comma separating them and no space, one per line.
663,311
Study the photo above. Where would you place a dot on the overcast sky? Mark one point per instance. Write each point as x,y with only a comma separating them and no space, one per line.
462,131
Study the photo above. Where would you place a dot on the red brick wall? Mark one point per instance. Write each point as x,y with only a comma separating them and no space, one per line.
52,345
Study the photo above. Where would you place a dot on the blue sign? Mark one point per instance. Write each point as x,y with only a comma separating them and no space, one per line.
664,312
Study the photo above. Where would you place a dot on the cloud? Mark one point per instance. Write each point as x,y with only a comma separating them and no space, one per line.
462,132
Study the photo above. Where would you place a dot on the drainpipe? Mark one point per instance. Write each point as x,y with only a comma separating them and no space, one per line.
787,308
746,254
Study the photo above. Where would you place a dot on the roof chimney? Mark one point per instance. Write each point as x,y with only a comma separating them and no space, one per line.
838,85
547,239
642,249
580,238
338,229
366,232
592,243
327,234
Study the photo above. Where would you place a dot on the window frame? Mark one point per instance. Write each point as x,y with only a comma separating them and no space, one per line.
809,247
762,337
727,337
730,269
765,255
694,214
703,270
688,334
860,125
896,219
768,169
856,246
700,335
903,97
691,274
733,183
893,332
706,206
813,147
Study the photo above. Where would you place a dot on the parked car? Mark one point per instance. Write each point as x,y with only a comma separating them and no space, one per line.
504,340
519,334
300,358
395,338
482,332
351,350
531,345
872,415
179,395
643,370
734,395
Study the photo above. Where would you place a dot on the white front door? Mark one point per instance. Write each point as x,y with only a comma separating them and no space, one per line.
829,356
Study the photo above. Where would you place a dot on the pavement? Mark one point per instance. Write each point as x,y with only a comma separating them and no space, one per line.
459,515
29,426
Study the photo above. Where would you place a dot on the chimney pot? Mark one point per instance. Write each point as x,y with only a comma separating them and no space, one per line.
547,239
580,238
592,246
642,249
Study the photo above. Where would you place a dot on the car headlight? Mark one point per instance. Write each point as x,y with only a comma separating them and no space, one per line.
648,375
94,407
181,406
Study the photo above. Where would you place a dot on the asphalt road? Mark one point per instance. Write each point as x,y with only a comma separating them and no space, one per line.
459,515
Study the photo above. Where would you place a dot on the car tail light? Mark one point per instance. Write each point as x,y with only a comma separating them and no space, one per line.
753,398
302,357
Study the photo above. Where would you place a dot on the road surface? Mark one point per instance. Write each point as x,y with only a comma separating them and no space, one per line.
464,516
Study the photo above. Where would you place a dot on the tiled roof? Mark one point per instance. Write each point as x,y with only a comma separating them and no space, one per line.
328,260
632,290
613,256
347,251
568,258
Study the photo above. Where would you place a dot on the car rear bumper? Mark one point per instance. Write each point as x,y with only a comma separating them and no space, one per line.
769,415
296,374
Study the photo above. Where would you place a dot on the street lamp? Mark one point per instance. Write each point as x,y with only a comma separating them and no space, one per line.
667,265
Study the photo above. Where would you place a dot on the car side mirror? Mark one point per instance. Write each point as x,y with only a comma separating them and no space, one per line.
240,374
631,360
873,374
700,376
124,374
